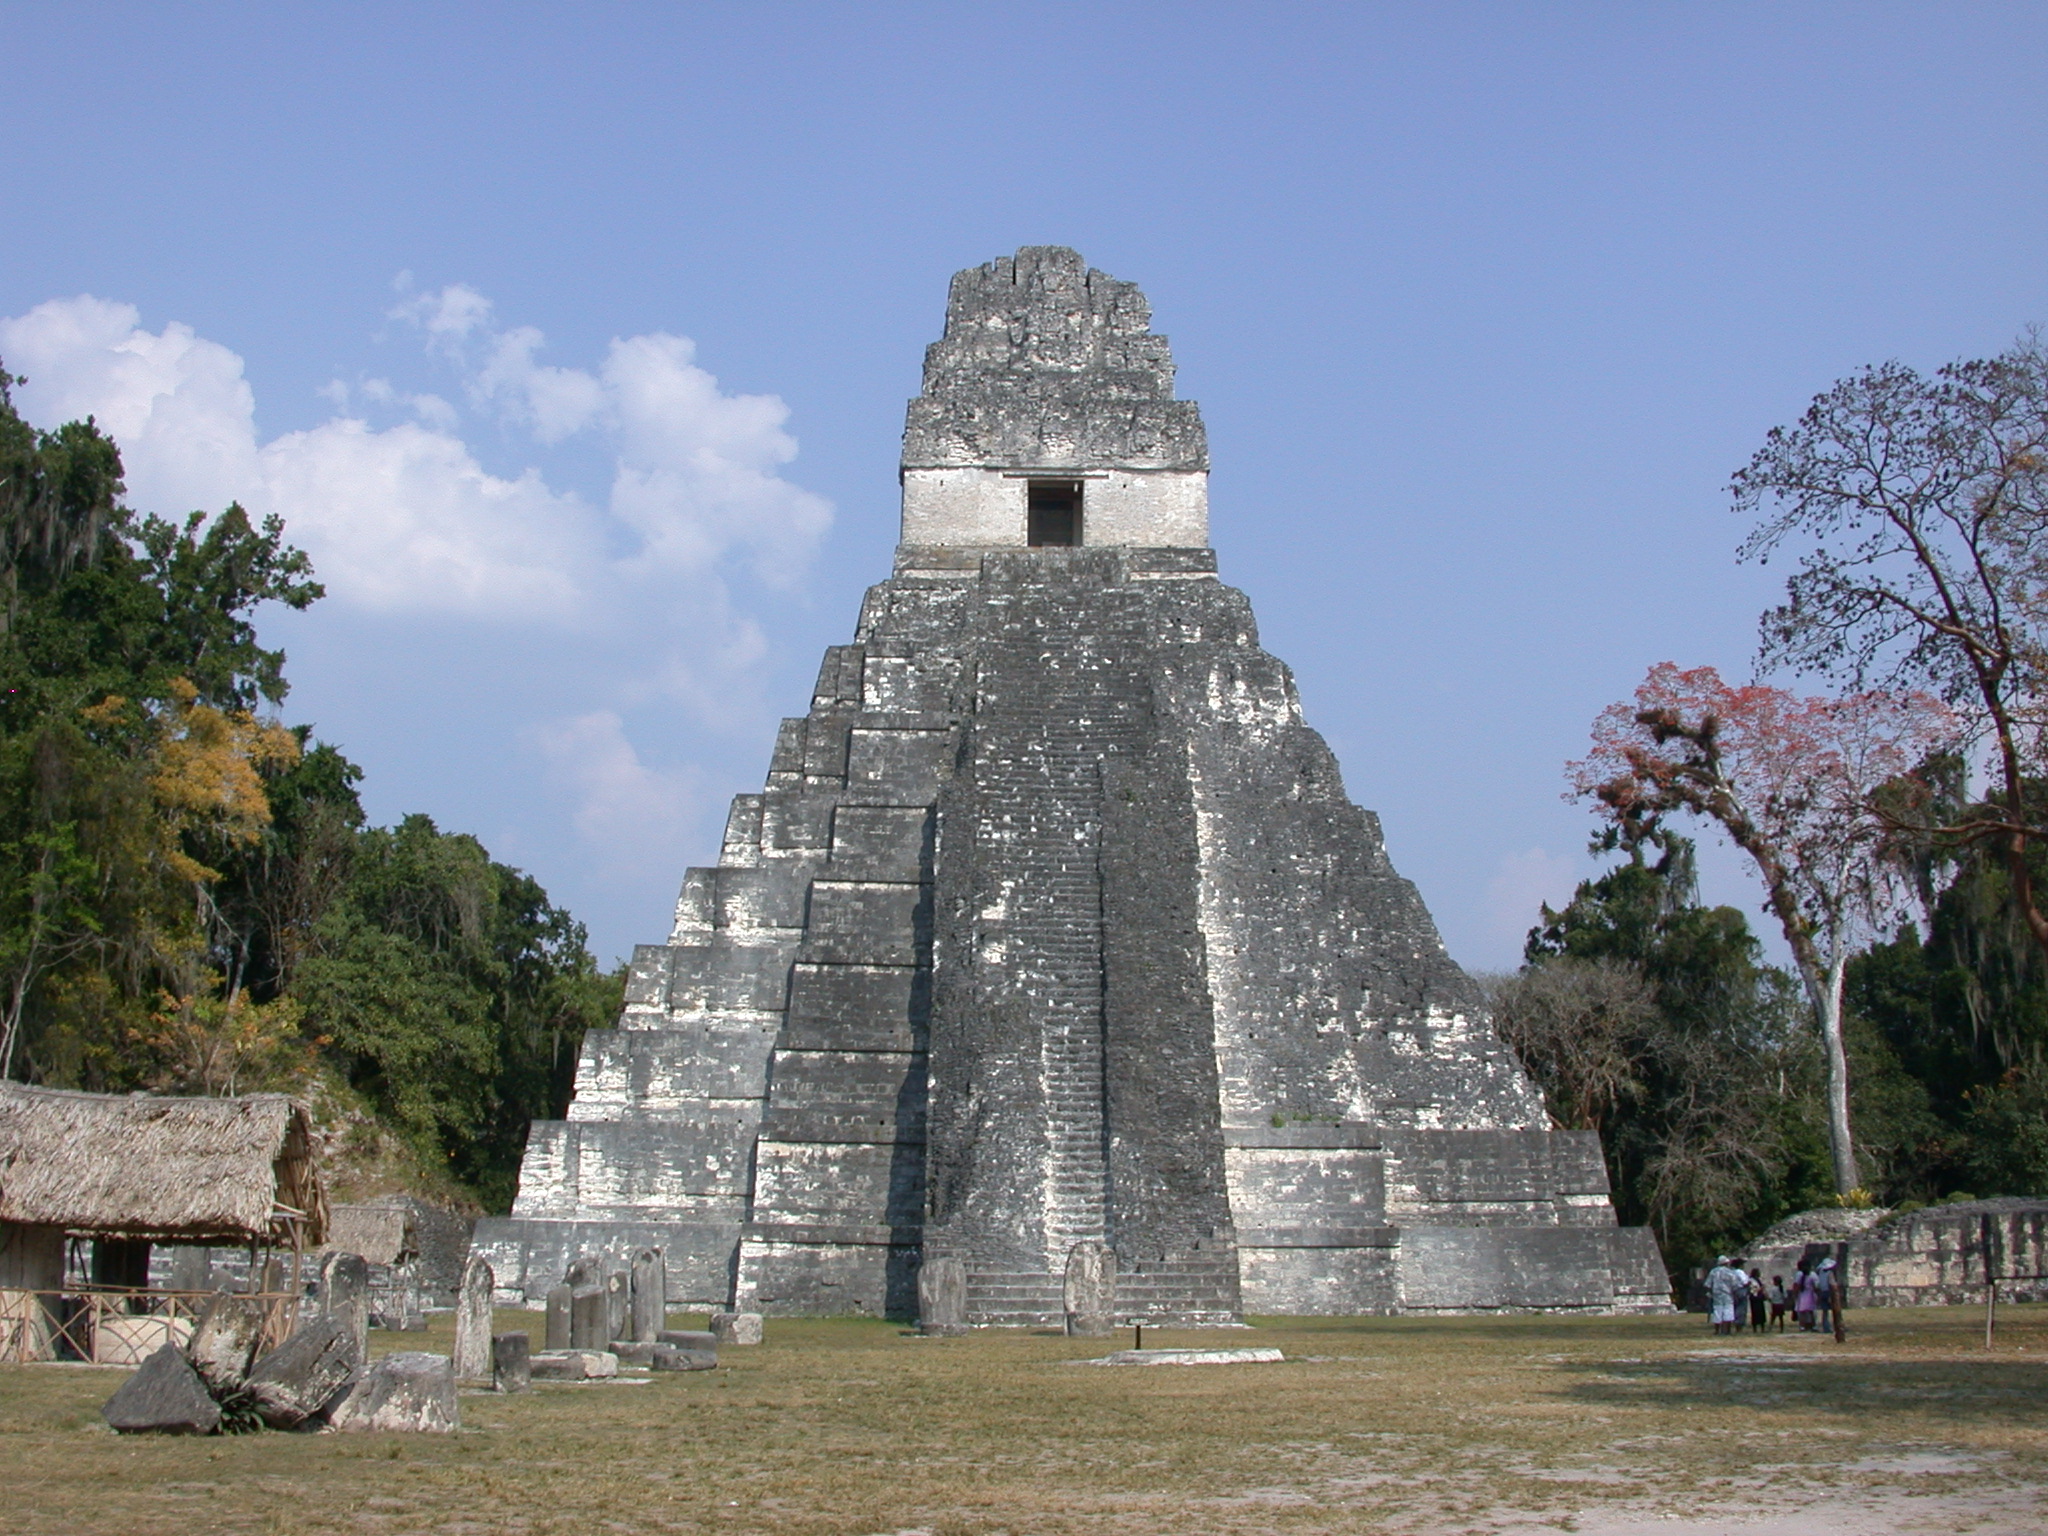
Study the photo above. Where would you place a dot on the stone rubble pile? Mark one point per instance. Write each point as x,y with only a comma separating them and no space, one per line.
600,1316
318,1378
321,1377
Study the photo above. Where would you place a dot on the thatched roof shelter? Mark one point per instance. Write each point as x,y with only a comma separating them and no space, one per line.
226,1171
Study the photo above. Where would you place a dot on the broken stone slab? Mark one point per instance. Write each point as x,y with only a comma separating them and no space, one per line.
407,1390
473,1321
307,1372
631,1352
618,1306
649,1306
345,1294
164,1397
1187,1357
557,1334
588,1320
942,1296
511,1363
674,1357
573,1365
1089,1294
224,1342
736,1328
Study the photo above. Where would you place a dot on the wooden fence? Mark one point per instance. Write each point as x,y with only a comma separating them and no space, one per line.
113,1325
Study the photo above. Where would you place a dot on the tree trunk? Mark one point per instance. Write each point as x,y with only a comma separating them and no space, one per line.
1840,1144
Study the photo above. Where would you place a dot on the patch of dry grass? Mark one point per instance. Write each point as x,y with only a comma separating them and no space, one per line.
1372,1424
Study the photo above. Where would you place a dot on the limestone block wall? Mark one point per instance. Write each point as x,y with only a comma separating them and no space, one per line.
1053,924
1932,1257
983,508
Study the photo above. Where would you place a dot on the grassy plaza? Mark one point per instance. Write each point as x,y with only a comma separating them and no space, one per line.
844,1427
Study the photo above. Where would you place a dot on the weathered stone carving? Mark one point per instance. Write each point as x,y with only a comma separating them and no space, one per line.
942,1295
1054,925
473,1322
650,1296
345,1296
1090,1292
589,1319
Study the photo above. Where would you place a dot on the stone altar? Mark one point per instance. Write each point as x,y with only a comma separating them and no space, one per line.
1053,925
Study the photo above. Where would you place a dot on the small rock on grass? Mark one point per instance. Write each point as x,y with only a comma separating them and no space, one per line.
573,1365
736,1328
673,1357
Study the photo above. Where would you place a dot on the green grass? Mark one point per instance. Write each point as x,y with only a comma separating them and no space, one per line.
1401,1424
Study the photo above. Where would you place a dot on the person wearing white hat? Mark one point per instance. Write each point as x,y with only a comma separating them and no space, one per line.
1827,1297
1727,1294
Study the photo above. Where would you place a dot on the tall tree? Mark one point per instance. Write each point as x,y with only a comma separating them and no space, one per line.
1793,783
1918,510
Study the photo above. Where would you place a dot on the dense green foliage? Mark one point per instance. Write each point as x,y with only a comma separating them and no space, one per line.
1652,1019
1963,1016
189,898
1712,1121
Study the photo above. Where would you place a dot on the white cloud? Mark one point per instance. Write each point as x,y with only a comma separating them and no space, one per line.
641,815
554,402
1521,884
177,405
405,518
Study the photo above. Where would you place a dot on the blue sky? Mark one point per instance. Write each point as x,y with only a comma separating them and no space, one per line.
574,341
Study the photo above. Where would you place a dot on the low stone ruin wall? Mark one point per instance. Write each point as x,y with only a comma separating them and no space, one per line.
1930,1257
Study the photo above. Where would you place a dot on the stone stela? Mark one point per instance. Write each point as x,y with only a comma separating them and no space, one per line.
1054,929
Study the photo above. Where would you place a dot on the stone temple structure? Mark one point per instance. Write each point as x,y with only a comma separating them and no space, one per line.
1053,925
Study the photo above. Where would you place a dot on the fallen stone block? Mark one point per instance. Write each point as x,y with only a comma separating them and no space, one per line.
673,1357
632,1353
223,1344
736,1328
303,1375
686,1338
407,1391
1187,1357
164,1397
573,1365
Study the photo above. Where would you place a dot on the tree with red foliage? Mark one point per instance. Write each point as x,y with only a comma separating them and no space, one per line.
1792,782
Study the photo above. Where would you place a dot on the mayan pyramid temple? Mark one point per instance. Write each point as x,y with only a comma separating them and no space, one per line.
1053,926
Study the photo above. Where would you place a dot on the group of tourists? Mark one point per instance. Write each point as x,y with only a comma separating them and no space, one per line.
1814,1298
